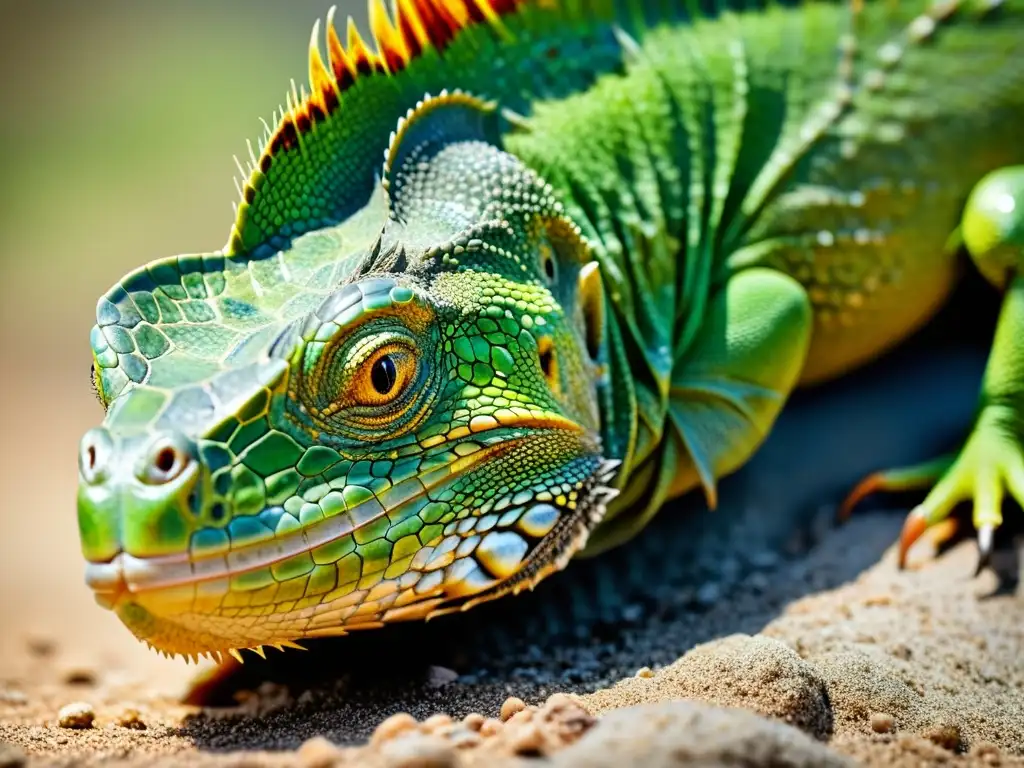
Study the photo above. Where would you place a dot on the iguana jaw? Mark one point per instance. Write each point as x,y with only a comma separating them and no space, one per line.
179,603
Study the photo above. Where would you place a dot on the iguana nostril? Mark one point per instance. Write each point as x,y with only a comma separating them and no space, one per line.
94,456
165,461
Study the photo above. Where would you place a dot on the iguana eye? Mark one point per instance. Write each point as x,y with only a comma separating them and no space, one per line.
383,376
367,382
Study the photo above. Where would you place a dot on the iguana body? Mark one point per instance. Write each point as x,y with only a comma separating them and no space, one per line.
405,388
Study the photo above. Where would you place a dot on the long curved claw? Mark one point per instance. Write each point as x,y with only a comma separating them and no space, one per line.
918,476
986,534
913,529
870,484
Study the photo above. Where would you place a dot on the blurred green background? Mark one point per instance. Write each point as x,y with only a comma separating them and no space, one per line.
119,121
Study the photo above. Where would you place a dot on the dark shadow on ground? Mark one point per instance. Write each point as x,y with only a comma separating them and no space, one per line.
691,576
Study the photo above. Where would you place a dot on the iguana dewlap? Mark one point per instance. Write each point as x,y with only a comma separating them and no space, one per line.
503,286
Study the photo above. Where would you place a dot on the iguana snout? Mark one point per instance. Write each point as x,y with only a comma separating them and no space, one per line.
137,493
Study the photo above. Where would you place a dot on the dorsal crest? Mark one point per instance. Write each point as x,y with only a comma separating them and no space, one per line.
320,163
447,117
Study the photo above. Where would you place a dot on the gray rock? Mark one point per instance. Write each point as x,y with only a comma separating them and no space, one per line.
688,733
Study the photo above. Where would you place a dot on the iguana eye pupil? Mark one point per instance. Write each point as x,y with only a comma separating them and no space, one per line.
165,460
383,375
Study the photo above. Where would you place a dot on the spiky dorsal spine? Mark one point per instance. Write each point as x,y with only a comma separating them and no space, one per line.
318,165
411,28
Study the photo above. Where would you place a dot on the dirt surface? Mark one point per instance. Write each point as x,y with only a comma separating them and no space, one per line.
905,669
659,652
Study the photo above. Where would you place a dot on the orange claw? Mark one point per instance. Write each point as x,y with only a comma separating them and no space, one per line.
913,528
867,486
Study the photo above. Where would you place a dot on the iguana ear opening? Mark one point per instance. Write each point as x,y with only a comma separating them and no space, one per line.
433,124
591,297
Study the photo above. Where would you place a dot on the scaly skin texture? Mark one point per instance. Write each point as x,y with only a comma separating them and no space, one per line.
581,285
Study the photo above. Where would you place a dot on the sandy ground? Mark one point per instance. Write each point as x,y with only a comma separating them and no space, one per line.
916,668
666,647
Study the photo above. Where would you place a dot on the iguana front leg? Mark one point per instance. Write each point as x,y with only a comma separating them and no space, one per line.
727,391
991,461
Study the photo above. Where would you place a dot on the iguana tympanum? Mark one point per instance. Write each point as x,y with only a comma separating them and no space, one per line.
504,285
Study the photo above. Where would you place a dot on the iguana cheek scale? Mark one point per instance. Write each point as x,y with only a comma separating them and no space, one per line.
498,289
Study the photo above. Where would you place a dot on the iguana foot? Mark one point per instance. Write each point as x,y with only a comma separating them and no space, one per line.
990,464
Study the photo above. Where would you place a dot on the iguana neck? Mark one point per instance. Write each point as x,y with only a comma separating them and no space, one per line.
666,166
632,186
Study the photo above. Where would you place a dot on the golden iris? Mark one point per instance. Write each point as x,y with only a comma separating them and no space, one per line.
383,376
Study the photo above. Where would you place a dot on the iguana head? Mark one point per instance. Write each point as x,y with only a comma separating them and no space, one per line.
383,419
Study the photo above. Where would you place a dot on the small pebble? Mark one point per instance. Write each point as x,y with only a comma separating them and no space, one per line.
512,706
882,722
708,594
490,727
130,718
40,645
473,721
416,750
78,714
318,752
987,752
393,726
946,736
243,695
522,716
12,696
559,701
763,559
645,672
79,676
757,582
527,740
877,600
901,651
441,676
464,738
437,722
11,756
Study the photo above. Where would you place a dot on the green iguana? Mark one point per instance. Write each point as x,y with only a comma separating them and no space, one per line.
501,287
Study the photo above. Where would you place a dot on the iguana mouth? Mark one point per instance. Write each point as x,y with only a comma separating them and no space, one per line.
125,573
